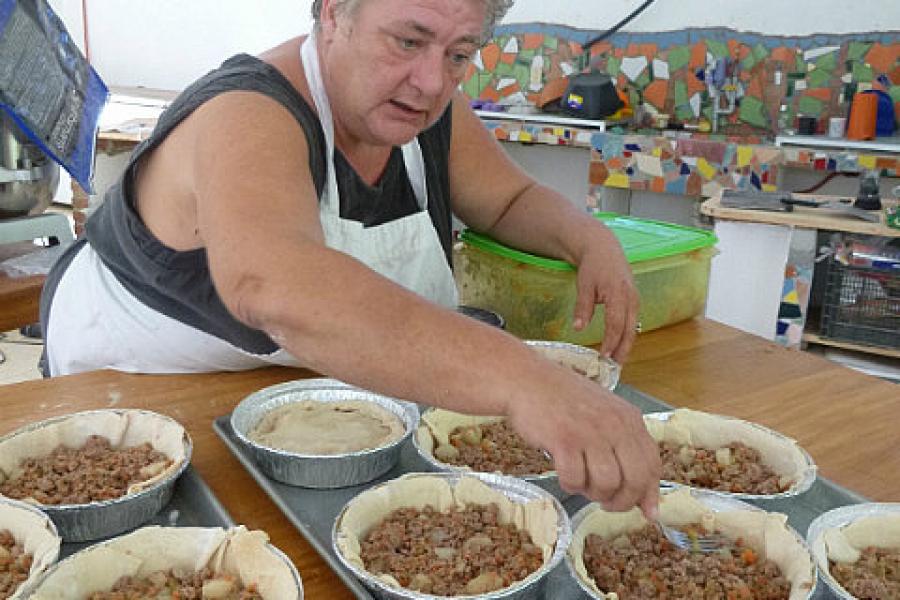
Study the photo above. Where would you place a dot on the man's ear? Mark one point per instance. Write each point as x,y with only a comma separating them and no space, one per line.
328,19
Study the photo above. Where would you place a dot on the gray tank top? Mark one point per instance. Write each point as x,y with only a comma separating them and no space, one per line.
178,284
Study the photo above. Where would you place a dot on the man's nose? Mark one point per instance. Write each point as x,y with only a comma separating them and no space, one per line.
428,73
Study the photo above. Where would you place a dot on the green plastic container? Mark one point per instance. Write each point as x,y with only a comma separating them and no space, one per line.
536,295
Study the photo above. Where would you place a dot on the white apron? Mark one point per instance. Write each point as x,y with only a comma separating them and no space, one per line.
104,326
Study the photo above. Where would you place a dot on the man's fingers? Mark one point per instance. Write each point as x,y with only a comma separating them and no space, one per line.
638,476
570,469
585,302
621,352
615,314
604,474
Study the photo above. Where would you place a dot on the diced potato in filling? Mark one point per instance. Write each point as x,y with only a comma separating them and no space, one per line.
15,564
94,472
493,447
459,552
735,468
178,585
644,564
875,576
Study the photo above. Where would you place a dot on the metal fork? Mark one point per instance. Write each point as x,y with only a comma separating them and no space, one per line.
707,543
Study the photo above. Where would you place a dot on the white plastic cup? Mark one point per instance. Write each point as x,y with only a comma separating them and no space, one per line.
836,127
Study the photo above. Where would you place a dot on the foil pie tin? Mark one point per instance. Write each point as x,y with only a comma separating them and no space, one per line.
715,502
22,510
96,520
282,557
807,478
610,369
836,519
319,470
548,481
530,588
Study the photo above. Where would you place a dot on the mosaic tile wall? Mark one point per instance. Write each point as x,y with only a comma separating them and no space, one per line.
774,78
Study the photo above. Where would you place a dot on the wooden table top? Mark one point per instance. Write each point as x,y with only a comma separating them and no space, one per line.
846,420
19,298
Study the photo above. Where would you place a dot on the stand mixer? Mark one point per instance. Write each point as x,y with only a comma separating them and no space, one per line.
28,182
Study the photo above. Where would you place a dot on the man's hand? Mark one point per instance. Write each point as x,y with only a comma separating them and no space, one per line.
604,277
599,444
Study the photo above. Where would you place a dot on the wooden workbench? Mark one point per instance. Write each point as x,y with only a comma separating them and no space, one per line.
801,216
19,298
846,420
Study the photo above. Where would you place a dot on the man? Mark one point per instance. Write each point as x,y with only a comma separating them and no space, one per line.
294,209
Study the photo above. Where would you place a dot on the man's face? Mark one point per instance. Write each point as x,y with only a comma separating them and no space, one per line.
391,66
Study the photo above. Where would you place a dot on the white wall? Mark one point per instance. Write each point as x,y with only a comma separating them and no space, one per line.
168,43
779,17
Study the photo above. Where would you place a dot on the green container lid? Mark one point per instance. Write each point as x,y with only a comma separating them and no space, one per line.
642,240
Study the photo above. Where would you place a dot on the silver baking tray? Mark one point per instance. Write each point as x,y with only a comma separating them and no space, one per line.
313,512
715,502
835,519
806,480
96,520
320,471
516,490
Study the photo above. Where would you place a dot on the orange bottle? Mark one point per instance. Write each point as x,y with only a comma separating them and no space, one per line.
863,115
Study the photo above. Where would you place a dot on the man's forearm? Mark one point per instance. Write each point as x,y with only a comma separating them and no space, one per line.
542,221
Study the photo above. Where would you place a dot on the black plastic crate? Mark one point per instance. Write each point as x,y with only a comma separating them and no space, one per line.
862,305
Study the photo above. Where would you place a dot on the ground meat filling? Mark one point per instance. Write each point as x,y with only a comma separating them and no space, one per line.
91,473
450,554
493,447
875,576
179,585
644,564
15,564
733,468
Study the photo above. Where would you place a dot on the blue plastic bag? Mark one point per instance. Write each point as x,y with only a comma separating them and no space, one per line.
47,86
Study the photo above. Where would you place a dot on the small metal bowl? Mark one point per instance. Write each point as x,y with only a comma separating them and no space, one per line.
610,369
800,486
95,520
530,588
111,544
716,503
19,512
315,470
836,519
485,316
548,481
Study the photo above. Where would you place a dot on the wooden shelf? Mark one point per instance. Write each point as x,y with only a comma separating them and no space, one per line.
814,338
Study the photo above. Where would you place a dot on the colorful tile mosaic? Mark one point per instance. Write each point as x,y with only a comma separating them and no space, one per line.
773,79
685,166
842,161
531,133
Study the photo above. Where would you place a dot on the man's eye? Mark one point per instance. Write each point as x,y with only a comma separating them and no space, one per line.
460,58
408,43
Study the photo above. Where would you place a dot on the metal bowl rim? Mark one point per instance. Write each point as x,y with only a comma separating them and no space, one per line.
810,472
127,498
563,538
579,349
